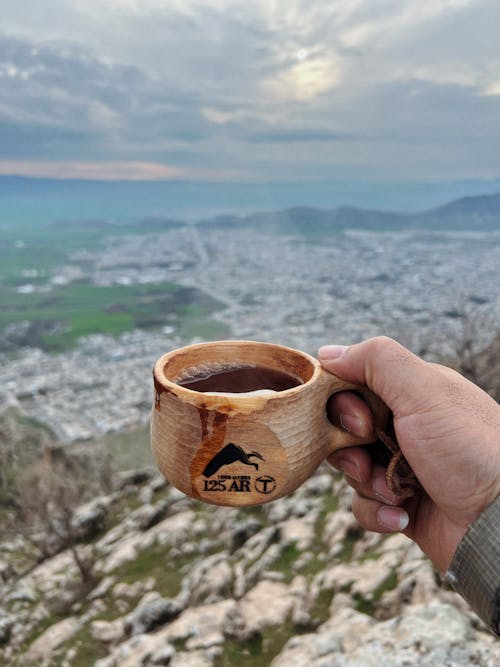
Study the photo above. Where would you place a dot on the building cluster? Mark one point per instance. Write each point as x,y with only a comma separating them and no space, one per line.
294,290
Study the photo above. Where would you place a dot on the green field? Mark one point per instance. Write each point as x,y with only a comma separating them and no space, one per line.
54,320
54,317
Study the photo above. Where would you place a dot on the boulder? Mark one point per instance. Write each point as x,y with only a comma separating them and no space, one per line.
200,626
109,632
299,531
44,646
124,590
269,603
89,519
172,531
242,531
134,477
102,588
163,656
338,526
259,543
194,659
6,623
424,636
147,516
151,612
211,580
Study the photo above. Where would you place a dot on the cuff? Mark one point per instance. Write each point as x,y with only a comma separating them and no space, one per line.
474,572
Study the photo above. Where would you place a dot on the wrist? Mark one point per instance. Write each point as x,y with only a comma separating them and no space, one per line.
474,571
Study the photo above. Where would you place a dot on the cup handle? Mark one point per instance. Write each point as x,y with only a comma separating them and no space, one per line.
337,438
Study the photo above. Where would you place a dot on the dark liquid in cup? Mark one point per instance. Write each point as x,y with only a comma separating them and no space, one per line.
242,379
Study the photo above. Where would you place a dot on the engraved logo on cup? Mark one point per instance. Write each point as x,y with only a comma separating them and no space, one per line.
265,484
231,453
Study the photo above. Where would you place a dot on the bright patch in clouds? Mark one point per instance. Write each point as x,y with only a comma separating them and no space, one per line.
306,79
492,89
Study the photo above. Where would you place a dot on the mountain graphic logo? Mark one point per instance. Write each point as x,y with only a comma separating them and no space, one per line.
230,454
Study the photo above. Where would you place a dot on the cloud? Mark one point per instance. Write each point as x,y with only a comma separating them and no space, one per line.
265,90
102,171
294,135
305,79
111,171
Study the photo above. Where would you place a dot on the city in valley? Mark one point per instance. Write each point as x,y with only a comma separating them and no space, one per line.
289,289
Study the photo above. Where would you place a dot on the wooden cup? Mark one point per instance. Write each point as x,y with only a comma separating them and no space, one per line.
246,449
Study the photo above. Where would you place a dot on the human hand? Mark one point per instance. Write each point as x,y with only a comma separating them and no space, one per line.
448,430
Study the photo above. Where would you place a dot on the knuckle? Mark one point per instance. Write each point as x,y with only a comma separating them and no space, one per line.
386,346
379,343
388,351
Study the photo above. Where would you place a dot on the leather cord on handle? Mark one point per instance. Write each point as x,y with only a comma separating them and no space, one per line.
400,478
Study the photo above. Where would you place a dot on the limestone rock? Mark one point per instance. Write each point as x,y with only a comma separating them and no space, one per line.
269,603
427,635
200,622
242,531
109,632
22,593
53,637
152,611
102,588
171,531
146,516
198,625
260,542
88,521
235,586
299,531
134,477
163,656
6,623
338,526
124,590
211,580
193,659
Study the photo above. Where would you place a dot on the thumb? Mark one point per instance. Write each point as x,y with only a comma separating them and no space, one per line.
391,371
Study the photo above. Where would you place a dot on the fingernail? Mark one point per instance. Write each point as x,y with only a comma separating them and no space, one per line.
393,518
330,352
352,424
382,491
349,468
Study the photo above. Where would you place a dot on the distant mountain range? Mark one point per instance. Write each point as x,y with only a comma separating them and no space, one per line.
36,202
479,213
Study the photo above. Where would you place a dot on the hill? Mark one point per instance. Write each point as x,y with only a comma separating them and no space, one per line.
175,582
481,213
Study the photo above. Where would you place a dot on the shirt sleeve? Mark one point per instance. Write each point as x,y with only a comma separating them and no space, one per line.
474,572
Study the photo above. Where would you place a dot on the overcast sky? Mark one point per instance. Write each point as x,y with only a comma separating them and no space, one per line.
266,90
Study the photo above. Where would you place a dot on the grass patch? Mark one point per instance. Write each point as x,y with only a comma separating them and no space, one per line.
259,651
88,650
56,319
353,535
321,611
127,449
369,606
285,562
330,505
195,322
35,633
155,561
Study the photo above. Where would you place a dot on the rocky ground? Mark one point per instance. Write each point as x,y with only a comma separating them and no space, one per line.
290,584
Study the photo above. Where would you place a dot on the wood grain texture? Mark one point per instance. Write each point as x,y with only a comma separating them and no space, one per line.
245,449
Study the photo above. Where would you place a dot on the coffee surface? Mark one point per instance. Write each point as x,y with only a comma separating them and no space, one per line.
242,379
